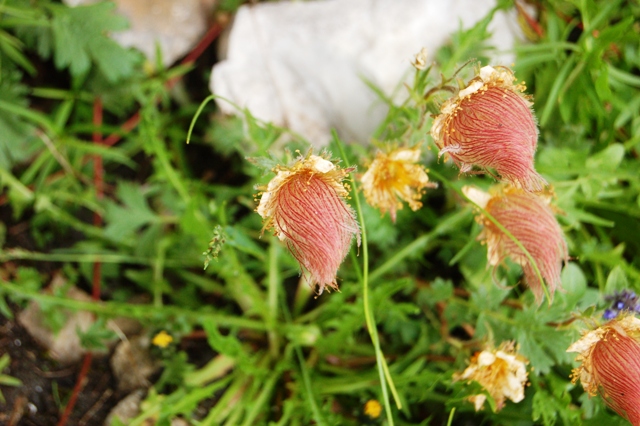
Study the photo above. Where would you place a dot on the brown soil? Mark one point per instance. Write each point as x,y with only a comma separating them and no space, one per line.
46,386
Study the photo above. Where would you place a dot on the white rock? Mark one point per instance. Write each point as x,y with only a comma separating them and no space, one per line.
64,346
126,409
302,64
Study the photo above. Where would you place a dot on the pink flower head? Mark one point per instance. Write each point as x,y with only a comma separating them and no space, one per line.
610,365
395,177
531,221
305,206
490,124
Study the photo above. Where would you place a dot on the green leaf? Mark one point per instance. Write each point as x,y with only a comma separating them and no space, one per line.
81,37
534,351
574,283
16,136
440,290
123,220
544,408
96,335
616,281
608,159
107,153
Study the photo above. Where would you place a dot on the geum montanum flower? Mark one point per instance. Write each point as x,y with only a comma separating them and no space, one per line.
395,177
528,217
502,372
305,206
610,365
490,124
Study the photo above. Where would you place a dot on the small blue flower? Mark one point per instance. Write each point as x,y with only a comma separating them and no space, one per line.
625,300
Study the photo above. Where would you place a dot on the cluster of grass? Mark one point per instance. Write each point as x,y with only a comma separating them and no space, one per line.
279,355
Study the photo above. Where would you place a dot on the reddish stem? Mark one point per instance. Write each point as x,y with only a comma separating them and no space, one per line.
128,125
204,43
98,170
76,389
98,181
535,26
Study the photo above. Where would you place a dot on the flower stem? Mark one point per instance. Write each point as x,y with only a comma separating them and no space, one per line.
383,368
273,282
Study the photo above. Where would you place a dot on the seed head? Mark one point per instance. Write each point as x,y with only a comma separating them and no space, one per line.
490,124
610,365
305,206
531,221
395,177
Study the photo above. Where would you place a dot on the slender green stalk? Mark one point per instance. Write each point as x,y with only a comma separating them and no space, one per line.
158,272
129,310
453,411
20,254
197,114
383,369
263,398
273,282
162,155
317,415
419,243
304,372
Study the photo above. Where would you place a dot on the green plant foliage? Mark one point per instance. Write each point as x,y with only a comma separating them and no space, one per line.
80,38
252,344
6,380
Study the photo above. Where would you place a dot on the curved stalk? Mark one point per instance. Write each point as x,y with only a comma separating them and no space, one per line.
383,368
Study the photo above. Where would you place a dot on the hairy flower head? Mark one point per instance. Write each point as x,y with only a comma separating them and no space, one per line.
490,124
305,206
610,365
531,221
395,177
502,372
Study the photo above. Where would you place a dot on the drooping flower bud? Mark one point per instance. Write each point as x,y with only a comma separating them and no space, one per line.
305,206
502,372
531,221
395,177
490,124
610,365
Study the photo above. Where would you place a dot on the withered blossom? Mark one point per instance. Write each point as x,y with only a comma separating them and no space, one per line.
419,61
490,124
395,177
610,365
305,206
529,218
502,372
